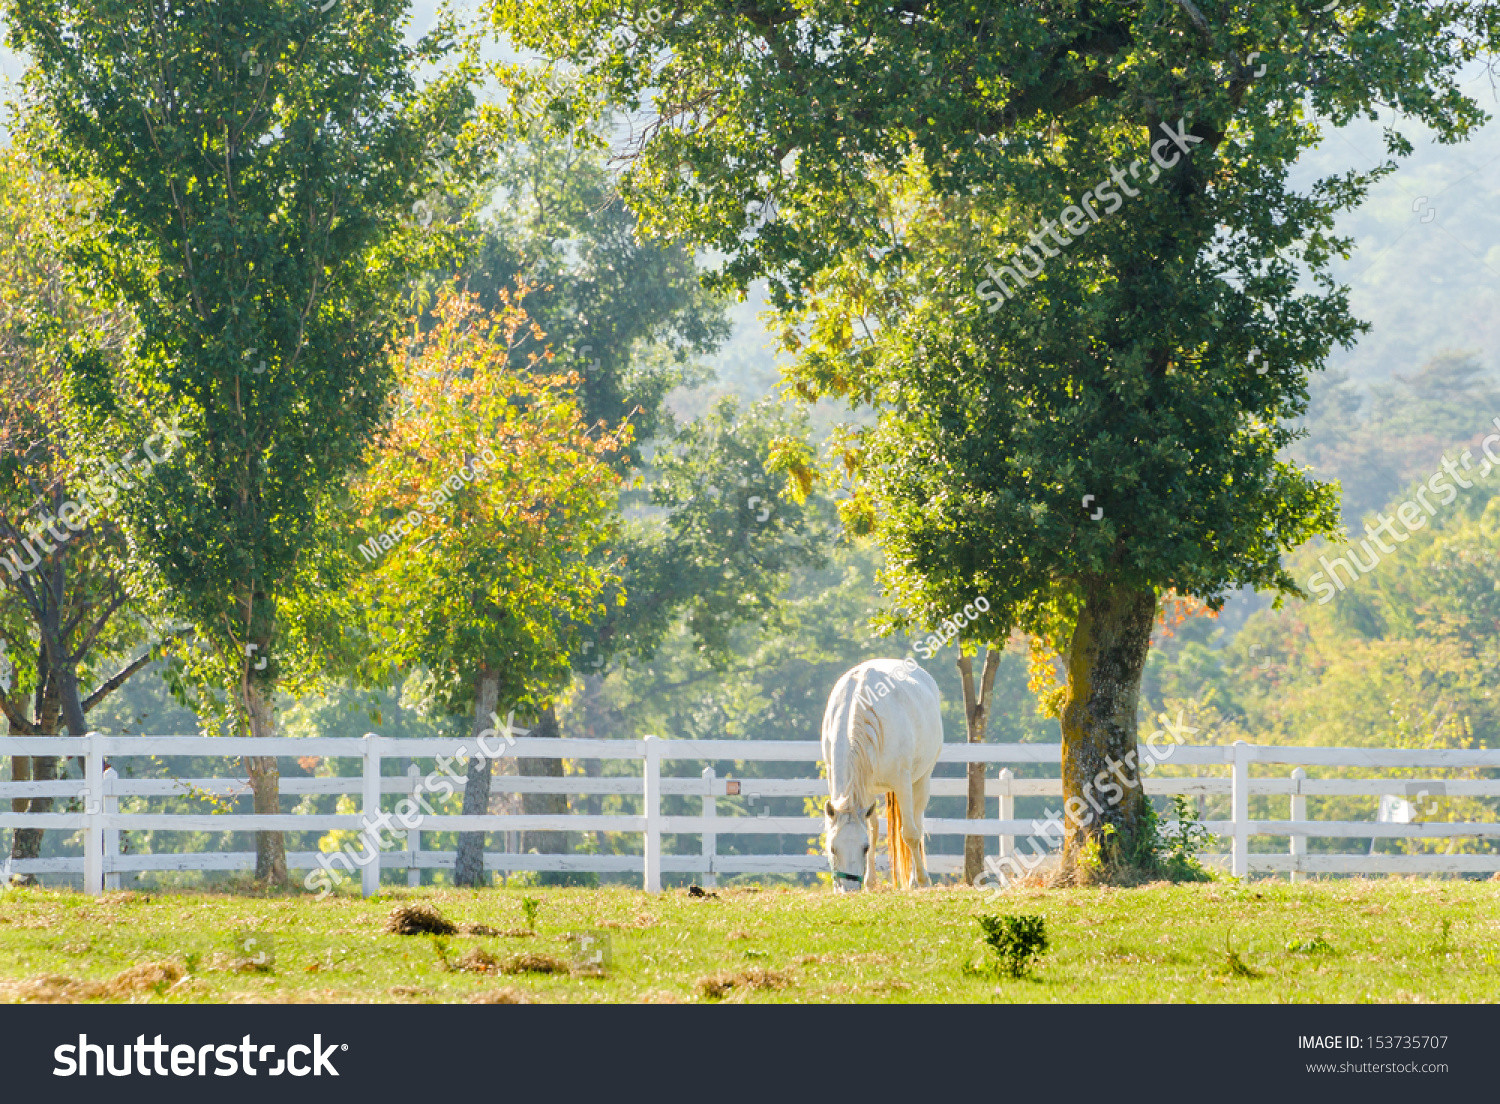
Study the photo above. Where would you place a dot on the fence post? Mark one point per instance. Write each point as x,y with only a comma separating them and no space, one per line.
111,835
1240,800
93,809
1299,812
370,838
413,835
651,793
710,839
1007,811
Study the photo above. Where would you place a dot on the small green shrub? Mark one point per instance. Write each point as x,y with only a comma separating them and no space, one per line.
1441,946
529,908
1235,966
1016,940
1177,849
1098,851
1314,946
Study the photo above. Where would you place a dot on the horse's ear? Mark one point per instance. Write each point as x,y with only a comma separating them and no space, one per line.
870,811
828,809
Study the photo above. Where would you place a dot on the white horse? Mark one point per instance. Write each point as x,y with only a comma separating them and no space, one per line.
882,732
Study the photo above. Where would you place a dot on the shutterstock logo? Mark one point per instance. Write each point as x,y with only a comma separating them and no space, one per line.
143,1059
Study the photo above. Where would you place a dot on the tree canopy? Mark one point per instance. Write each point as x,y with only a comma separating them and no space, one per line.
1079,407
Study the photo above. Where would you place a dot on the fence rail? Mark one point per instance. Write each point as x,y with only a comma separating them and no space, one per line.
101,789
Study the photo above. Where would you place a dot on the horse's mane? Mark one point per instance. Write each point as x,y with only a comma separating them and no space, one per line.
863,730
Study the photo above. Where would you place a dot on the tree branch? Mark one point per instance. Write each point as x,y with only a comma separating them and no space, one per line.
19,725
116,682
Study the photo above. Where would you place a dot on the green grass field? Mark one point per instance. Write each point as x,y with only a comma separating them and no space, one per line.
1336,941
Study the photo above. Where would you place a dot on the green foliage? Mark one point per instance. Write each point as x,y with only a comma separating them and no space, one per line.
626,313
484,576
721,537
1017,941
1177,848
1406,656
872,205
1099,851
530,906
1317,945
1441,946
1157,849
64,622
1234,965
712,535
258,165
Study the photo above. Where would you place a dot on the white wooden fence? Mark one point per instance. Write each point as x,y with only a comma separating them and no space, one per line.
101,789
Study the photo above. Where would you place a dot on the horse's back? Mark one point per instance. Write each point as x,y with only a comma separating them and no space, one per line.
902,698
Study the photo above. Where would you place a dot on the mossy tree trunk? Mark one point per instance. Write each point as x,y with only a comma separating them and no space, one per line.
1100,768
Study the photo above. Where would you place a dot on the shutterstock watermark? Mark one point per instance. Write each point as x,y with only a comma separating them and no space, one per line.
159,1059
99,494
1111,784
1411,516
1077,218
409,811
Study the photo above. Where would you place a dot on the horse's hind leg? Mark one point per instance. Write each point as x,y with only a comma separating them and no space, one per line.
915,837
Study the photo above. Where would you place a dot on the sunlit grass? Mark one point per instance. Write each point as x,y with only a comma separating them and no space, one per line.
1338,941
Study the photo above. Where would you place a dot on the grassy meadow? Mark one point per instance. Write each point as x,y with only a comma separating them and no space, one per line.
1396,940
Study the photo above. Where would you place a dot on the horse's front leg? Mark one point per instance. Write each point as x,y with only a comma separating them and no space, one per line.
915,836
872,824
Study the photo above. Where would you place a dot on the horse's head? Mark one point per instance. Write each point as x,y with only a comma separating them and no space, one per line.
848,838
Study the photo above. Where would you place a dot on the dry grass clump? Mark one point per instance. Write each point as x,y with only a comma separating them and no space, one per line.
476,960
418,918
421,918
532,963
145,977
716,986
46,989
508,995
484,929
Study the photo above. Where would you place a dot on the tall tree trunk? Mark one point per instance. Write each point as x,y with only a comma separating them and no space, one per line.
265,784
543,804
976,716
469,865
1100,769
26,843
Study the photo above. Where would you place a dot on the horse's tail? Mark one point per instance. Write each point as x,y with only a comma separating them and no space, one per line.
896,842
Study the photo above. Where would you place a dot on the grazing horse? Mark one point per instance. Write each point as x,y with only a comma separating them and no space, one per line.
882,733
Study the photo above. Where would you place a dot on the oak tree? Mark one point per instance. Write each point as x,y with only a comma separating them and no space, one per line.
1056,249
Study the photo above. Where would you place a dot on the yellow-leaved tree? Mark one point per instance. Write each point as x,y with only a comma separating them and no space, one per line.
475,543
